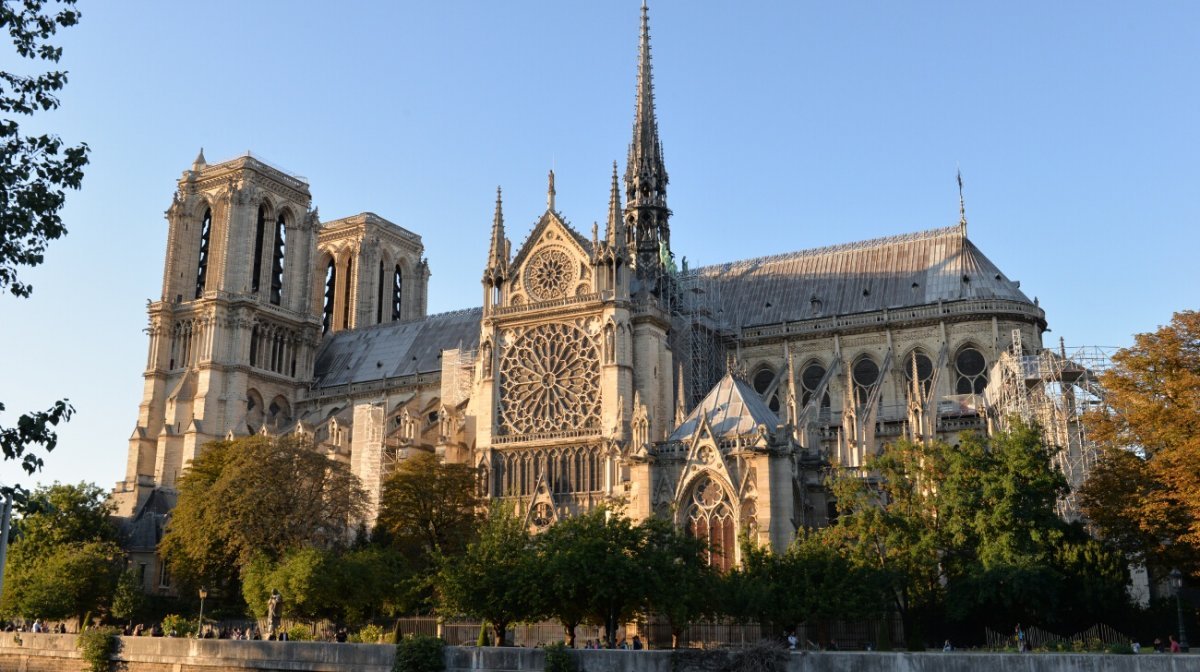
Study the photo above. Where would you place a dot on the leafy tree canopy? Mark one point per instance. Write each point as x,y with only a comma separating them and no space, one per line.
34,172
257,496
1148,503
65,560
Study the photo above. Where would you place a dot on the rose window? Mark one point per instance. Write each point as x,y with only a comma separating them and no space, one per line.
550,275
550,381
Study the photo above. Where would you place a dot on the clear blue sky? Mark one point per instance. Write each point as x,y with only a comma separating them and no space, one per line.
786,125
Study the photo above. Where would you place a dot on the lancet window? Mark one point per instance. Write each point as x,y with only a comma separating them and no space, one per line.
330,293
274,348
397,286
710,519
568,470
260,232
277,260
202,265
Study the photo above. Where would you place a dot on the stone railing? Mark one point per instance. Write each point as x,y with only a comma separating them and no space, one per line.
27,652
873,320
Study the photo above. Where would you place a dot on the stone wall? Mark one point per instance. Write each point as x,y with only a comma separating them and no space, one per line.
57,653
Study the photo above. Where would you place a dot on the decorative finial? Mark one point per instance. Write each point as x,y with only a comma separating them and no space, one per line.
962,206
550,193
200,163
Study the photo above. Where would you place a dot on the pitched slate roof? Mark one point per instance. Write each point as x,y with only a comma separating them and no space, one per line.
395,349
900,271
732,409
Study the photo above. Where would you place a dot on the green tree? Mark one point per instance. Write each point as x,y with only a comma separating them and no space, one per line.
496,578
619,583
342,586
34,172
128,598
1148,503
682,587
257,496
65,561
428,509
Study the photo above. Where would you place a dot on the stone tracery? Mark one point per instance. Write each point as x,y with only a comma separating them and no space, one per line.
549,381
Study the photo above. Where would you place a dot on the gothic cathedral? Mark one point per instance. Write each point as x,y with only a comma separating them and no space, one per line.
595,371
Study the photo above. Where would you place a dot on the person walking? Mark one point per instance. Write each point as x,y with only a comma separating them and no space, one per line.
1022,647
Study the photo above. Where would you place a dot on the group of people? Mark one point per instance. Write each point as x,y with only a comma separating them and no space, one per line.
632,645
36,626
1172,646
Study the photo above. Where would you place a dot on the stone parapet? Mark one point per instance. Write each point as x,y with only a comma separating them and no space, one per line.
57,653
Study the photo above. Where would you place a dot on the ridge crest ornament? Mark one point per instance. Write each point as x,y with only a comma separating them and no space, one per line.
550,381
550,275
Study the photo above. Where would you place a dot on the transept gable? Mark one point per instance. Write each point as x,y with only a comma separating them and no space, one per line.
553,263
704,458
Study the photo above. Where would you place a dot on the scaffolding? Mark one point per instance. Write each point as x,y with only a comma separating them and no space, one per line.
1052,389
697,332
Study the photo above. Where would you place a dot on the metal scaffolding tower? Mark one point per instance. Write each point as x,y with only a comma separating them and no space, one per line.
697,331
1052,389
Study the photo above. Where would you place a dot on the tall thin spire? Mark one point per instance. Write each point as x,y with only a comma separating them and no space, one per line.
962,206
550,193
646,176
497,255
614,231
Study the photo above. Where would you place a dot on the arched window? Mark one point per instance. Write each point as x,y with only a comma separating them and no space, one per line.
397,285
865,374
254,346
761,381
971,369
254,410
810,380
710,519
202,265
918,366
346,292
381,293
260,232
277,260
330,292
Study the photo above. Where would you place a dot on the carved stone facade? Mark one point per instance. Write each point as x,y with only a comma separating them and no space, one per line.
595,371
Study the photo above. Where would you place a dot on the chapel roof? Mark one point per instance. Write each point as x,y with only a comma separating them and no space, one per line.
732,409
395,349
902,271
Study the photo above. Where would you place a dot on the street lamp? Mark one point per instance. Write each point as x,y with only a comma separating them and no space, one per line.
1176,578
200,628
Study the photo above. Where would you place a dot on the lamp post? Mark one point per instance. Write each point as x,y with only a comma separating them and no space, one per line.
200,627
1176,578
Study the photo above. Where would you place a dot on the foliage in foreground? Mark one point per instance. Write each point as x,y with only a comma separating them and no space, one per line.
256,496
97,646
419,653
35,171
65,561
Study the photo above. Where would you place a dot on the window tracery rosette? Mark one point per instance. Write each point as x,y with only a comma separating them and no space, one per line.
549,381
550,274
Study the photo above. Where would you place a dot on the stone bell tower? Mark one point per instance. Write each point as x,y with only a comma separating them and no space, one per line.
233,336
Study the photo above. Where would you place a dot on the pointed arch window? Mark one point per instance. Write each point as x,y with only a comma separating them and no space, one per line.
202,265
919,367
346,292
710,519
810,380
971,369
383,290
260,232
330,292
397,286
278,259
865,374
254,346
761,381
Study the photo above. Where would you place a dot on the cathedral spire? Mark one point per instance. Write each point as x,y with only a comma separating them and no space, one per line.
962,207
646,176
497,255
614,230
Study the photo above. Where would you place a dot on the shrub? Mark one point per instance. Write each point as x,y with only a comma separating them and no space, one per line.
762,657
300,633
369,634
1122,648
559,658
420,653
174,625
97,646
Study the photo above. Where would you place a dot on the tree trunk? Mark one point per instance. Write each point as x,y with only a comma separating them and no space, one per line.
498,629
610,631
569,635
